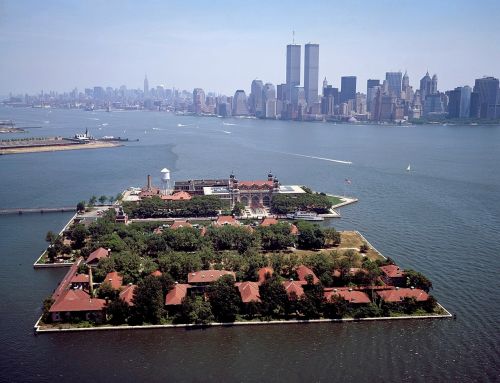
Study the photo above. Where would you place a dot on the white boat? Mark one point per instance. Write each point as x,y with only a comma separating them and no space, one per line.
306,216
408,168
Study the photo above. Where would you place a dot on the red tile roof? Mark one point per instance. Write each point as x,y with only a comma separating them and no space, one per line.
115,279
304,271
127,294
64,284
179,196
96,255
352,296
177,294
268,221
156,273
294,288
204,276
397,295
80,278
294,229
392,271
178,224
249,291
77,300
263,272
226,220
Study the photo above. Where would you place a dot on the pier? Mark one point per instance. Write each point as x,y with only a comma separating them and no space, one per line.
41,210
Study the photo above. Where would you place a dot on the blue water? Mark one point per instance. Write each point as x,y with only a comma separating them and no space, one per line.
442,218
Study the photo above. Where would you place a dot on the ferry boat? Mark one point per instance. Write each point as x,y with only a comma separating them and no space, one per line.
306,216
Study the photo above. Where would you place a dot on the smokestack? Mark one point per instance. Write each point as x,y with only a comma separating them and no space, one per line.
91,283
150,184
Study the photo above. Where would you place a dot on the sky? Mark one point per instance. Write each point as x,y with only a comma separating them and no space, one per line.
222,46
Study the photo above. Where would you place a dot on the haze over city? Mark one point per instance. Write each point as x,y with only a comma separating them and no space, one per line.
223,46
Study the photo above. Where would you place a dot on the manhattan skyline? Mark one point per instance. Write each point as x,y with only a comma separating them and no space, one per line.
222,47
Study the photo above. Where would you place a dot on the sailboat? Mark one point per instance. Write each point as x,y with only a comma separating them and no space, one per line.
408,168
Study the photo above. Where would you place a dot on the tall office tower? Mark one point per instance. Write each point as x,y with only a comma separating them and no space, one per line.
329,100
371,93
406,82
434,84
311,73
475,105
459,102
465,97
325,84
240,103
489,95
292,67
347,88
198,100
360,103
146,86
269,100
281,92
425,87
394,83
256,97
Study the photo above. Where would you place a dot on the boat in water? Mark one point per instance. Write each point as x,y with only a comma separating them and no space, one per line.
408,168
305,215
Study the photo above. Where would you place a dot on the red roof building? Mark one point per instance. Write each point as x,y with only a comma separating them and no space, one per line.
177,294
256,185
96,255
392,271
226,220
263,272
207,276
80,281
294,289
156,273
114,279
179,196
249,291
304,271
179,224
294,230
127,294
268,221
349,295
77,303
398,295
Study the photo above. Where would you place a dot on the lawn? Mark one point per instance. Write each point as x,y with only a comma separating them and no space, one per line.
334,200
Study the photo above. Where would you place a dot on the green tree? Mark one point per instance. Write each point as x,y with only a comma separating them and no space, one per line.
332,236
103,199
273,297
80,206
364,248
50,237
417,280
238,209
106,291
148,301
78,234
92,200
224,299
111,199
47,304
336,307
195,311
310,305
118,311
310,236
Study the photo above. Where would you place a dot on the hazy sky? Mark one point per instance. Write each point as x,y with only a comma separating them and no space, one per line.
223,45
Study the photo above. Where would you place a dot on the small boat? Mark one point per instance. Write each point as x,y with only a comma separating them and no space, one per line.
306,216
408,168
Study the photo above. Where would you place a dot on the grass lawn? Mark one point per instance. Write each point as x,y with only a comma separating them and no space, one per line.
334,200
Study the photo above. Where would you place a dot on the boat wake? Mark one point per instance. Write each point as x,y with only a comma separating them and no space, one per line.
182,125
227,132
93,118
320,158
228,124
105,124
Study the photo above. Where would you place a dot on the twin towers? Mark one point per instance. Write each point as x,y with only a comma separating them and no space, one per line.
311,70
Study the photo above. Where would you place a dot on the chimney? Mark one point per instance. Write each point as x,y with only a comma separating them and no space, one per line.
91,282
150,185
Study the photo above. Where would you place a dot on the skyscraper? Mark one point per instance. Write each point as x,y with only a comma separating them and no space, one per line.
488,91
394,83
311,73
372,86
269,100
256,106
146,86
198,100
434,84
240,103
425,86
406,83
347,88
292,67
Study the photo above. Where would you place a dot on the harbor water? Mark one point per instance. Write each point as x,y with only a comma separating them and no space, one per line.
441,218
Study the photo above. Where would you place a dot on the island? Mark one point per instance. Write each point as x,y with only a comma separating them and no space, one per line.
221,252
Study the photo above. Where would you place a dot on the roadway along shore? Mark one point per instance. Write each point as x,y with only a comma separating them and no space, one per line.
56,148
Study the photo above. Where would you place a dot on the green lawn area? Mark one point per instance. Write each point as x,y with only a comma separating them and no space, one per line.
334,200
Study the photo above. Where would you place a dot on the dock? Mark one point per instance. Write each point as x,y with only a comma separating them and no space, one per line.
41,210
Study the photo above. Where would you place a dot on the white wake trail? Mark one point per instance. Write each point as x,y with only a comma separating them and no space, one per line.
320,158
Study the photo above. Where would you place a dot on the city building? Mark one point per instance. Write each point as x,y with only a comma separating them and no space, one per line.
198,100
347,88
292,67
146,86
459,102
425,87
240,103
394,83
269,100
311,73
488,92
255,98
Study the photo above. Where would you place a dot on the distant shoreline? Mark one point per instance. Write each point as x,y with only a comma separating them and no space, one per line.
56,148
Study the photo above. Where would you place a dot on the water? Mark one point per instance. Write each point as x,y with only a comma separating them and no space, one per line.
442,218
